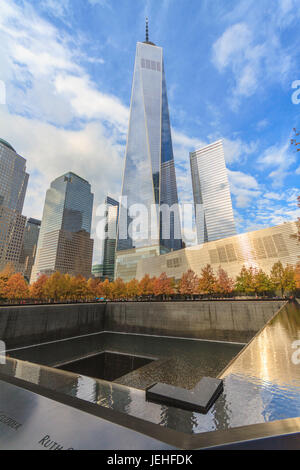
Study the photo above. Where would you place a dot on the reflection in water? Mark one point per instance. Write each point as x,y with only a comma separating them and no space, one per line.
268,356
261,384
179,362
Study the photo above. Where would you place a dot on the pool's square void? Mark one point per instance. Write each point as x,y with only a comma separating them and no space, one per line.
106,365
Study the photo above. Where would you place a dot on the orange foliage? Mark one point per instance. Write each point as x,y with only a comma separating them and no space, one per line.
16,287
189,283
163,285
37,289
208,281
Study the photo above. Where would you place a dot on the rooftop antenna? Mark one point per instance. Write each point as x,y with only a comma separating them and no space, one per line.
147,31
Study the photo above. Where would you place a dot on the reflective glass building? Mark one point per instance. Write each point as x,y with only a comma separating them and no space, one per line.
64,242
149,180
31,235
212,199
109,248
13,185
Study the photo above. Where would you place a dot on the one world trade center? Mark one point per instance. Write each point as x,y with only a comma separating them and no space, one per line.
149,220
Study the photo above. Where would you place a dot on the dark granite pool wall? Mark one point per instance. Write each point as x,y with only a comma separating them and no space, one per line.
33,324
215,320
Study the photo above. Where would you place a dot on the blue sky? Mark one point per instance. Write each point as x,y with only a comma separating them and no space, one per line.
67,66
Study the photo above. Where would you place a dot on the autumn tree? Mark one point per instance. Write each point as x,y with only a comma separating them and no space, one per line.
245,280
92,287
37,289
118,289
189,283
262,282
76,287
132,289
224,283
146,286
16,287
207,281
104,289
163,286
57,286
2,289
283,279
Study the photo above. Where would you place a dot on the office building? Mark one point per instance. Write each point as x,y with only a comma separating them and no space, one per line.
109,246
13,185
64,243
30,240
97,271
212,199
149,180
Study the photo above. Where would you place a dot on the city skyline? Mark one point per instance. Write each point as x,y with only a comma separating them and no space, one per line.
82,116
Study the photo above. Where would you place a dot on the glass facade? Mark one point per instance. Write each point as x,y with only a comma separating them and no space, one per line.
97,270
64,242
13,185
31,235
212,199
109,248
149,175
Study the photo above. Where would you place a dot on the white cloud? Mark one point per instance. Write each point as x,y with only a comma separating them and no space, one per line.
262,124
253,55
280,158
275,196
244,188
90,103
237,150
231,44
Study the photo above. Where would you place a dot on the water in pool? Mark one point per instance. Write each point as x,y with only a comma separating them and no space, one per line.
147,359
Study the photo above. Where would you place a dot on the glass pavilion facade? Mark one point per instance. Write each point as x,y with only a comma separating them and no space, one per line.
149,220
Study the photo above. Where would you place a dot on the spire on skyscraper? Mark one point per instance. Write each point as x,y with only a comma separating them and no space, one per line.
147,30
147,34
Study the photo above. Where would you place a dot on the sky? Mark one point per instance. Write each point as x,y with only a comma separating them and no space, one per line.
67,66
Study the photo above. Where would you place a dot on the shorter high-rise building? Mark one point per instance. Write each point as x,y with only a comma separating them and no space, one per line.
109,248
13,185
64,243
212,199
31,235
97,270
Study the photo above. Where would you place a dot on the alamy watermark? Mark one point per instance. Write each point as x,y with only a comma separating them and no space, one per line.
141,221
2,92
296,354
2,353
296,94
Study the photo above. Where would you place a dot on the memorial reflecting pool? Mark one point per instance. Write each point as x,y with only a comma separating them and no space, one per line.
261,384
148,359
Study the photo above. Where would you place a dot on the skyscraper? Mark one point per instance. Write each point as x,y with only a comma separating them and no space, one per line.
149,183
64,242
109,248
13,185
213,207
31,235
